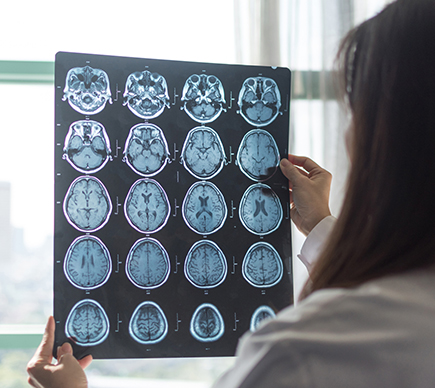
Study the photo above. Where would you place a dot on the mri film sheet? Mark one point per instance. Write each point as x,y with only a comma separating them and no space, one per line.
172,229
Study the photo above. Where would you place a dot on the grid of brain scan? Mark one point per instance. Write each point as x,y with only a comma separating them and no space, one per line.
172,227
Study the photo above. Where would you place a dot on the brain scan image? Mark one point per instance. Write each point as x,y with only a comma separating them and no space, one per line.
203,97
87,146
260,210
87,90
262,266
261,315
147,264
87,323
87,263
207,324
259,101
205,265
203,154
204,209
258,155
148,324
87,205
146,94
147,206
146,150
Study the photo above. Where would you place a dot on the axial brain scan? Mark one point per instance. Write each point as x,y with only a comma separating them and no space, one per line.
207,324
146,94
261,315
203,154
147,264
258,155
146,150
204,209
87,263
262,266
87,205
87,146
87,323
260,210
203,97
87,90
259,101
148,324
205,265
147,206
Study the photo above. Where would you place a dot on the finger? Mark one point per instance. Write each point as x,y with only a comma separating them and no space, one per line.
66,348
304,162
291,172
85,361
30,381
44,351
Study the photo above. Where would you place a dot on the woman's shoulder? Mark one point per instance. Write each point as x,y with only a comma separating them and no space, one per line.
381,333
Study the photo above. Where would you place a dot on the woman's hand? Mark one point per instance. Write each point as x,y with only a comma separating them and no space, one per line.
309,191
68,373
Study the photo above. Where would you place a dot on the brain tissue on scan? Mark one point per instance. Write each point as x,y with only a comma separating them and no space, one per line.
87,90
204,209
203,97
205,265
87,264
147,206
207,324
147,264
146,94
203,154
261,315
87,323
87,205
260,209
87,146
259,101
148,324
146,150
262,266
258,155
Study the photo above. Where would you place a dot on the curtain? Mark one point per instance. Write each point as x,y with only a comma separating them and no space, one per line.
304,35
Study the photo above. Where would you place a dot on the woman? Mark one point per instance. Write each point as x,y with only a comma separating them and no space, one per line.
367,315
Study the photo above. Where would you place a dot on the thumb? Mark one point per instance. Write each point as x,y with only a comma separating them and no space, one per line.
292,173
44,351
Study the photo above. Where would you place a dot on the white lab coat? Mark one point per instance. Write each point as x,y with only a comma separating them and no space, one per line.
380,334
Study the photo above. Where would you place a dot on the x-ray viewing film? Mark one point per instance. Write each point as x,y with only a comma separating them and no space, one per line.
148,324
147,206
203,153
87,323
172,224
87,264
146,150
261,315
204,208
259,101
260,210
147,264
205,265
262,267
207,324
87,205
258,155
146,94
87,90
87,146
203,97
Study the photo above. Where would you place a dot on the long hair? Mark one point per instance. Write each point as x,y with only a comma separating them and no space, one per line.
387,222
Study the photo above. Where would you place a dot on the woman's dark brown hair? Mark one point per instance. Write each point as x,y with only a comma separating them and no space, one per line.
387,223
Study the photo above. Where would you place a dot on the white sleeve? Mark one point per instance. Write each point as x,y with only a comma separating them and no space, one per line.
315,241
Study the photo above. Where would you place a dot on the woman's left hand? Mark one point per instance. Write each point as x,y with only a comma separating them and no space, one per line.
67,373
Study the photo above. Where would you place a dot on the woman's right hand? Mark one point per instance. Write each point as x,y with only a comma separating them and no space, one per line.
309,186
